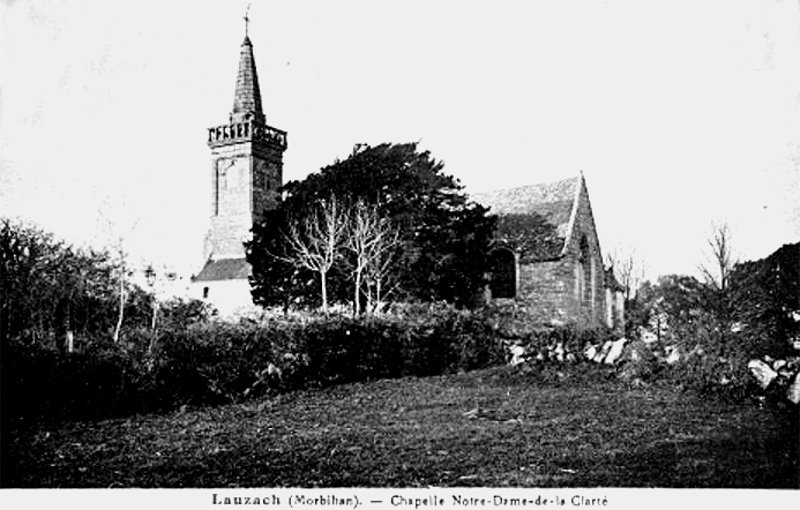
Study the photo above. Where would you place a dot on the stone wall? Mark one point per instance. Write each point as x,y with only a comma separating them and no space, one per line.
244,182
545,290
590,308
551,291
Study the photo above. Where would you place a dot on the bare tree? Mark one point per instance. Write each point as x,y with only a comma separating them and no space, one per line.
373,242
716,272
719,258
315,241
158,279
381,273
629,269
119,232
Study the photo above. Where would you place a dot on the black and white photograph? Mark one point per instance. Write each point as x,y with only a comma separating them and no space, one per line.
400,254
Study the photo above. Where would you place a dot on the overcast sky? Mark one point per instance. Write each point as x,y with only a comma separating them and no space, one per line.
678,113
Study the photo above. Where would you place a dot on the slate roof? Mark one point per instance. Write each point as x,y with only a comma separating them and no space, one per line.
224,269
247,99
554,201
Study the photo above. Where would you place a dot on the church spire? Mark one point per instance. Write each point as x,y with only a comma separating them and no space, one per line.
247,100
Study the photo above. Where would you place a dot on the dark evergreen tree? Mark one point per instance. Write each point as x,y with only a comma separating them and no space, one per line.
766,302
444,236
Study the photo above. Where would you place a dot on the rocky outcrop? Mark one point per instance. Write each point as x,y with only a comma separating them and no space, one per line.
778,377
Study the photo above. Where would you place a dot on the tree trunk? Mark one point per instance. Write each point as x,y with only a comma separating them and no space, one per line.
69,339
357,294
323,282
64,335
121,306
368,302
153,332
377,294
155,315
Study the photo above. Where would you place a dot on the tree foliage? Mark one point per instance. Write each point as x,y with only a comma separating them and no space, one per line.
736,313
443,238
50,290
674,308
766,301
716,272
531,235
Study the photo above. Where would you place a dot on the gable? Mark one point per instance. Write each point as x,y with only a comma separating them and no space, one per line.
582,225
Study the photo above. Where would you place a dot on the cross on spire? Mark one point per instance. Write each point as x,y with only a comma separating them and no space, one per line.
247,99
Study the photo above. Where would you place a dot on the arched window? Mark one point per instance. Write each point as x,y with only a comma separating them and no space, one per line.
503,283
584,273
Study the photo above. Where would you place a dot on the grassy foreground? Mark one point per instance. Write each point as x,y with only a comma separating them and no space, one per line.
496,427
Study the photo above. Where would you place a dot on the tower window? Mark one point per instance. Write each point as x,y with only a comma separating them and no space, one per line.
205,292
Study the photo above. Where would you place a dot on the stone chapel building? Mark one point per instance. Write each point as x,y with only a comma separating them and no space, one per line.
246,173
564,281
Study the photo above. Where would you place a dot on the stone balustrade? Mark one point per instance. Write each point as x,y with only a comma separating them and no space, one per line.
248,131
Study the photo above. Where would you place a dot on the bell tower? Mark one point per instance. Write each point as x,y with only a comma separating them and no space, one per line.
246,172
246,165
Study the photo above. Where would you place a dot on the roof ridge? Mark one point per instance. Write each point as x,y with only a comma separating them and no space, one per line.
573,213
535,185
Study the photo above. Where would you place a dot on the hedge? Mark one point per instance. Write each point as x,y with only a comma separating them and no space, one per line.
211,363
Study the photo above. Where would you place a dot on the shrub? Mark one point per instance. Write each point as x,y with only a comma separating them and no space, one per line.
192,362
180,313
40,384
640,362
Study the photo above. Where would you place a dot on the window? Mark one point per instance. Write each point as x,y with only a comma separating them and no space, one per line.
584,276
205,292
503,282
583,270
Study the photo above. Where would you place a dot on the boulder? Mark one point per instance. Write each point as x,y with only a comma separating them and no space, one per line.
603,351
560,351
673,356
615,352
763,373
517,355
793,391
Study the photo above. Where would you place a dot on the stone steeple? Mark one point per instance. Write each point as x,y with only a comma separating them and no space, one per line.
246,174
246,166
247,99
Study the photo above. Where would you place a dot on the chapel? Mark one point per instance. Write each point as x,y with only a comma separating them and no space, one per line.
556,275
555,271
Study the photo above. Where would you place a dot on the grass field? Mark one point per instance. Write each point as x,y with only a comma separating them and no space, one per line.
495,427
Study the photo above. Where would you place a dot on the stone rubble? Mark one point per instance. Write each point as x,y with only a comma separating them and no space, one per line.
762,372
781,376
610,353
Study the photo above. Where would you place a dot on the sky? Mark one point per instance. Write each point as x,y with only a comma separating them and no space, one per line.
679,114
